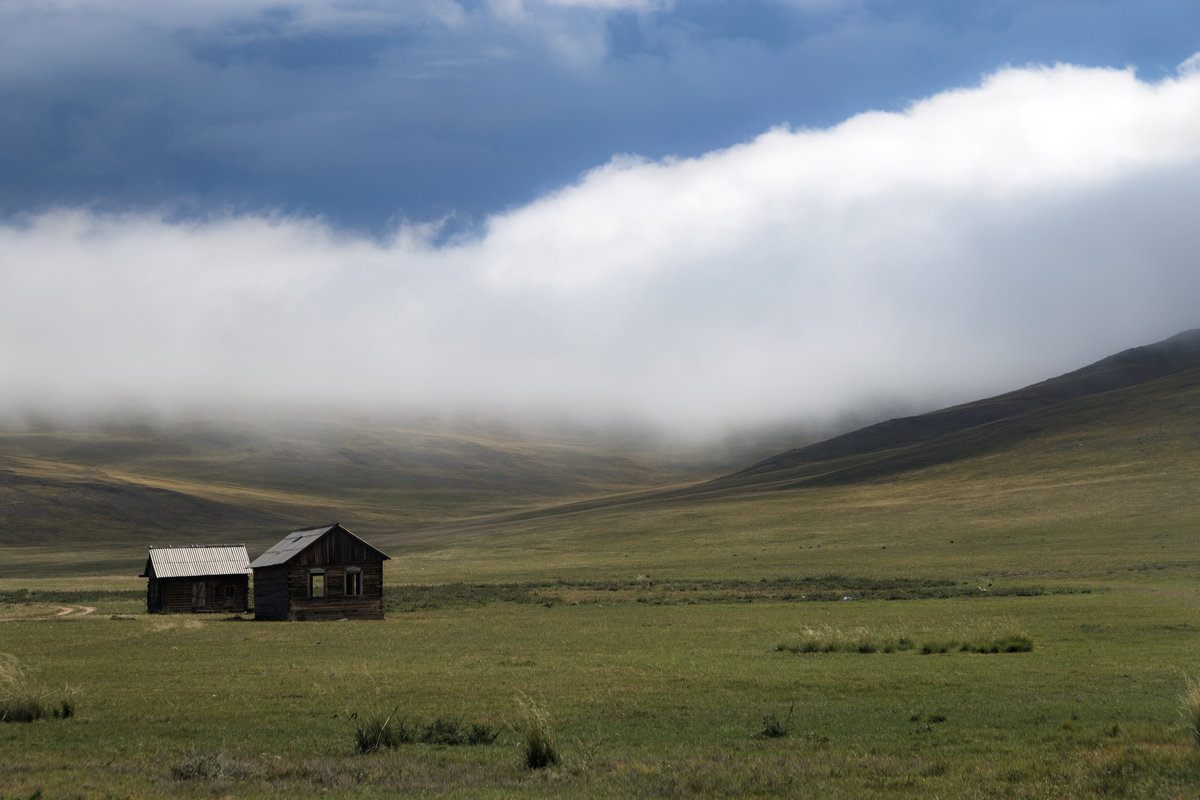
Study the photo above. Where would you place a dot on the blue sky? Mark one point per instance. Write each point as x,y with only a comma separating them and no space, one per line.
698,210
365,114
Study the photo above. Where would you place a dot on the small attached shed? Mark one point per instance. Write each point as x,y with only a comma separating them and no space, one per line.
324,573
198,577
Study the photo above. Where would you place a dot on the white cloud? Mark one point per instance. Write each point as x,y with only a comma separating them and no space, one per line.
982,238
1190,66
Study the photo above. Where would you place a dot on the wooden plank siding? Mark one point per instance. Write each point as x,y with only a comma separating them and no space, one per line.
336,604
336,548
270,593
182,594
284,577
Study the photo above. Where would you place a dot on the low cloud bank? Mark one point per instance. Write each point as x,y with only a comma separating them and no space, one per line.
981,239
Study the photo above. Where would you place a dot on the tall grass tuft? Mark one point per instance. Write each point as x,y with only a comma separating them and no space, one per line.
375,732
1189,706
22,701
538,746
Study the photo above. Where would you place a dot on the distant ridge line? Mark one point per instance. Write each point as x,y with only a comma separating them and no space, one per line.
1124,369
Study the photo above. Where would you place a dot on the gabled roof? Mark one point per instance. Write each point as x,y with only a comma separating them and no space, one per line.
296,541
196,560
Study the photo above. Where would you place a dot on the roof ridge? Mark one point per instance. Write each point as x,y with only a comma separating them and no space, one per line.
178,546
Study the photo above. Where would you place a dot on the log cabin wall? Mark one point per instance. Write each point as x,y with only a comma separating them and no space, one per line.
336,604
324,573
212,593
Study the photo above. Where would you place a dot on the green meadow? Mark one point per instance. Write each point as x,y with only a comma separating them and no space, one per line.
647,696
1012,612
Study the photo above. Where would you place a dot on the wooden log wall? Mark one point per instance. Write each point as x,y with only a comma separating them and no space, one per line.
179,594
336,604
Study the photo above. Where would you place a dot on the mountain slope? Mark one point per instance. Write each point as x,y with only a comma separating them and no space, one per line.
974,428
1117,404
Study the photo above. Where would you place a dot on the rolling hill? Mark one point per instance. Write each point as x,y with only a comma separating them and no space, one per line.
140,479
973,429
1116,440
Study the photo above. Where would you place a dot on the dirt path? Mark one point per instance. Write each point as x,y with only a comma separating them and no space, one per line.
63,611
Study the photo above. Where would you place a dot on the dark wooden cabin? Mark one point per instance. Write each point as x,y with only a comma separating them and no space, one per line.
322,573
198,577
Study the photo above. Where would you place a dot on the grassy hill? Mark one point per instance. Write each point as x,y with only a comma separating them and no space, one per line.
1077,477
997,423
1056,469
142,480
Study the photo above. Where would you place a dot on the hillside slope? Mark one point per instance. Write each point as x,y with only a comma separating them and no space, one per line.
972,429
1092,478
147,481
1117,404
1126,426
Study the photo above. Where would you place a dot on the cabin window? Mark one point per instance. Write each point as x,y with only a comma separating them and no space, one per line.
354,581
198,594
316,583
229,592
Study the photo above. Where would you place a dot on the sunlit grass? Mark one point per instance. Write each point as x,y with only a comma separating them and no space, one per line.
634,688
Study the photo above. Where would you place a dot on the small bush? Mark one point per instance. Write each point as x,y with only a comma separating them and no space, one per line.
538,747
775,727
480,733
1189,707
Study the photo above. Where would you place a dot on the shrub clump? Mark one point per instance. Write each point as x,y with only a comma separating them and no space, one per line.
538,746
826,639
391,732
776,727
992,639
22,701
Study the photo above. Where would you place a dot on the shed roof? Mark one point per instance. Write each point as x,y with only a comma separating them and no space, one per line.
297,541
198,559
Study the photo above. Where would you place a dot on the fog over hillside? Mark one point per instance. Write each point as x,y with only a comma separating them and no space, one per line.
982,238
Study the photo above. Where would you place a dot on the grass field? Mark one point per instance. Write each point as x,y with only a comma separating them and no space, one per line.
665,699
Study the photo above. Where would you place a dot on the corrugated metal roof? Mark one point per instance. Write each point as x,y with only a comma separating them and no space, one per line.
290,545
199,559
